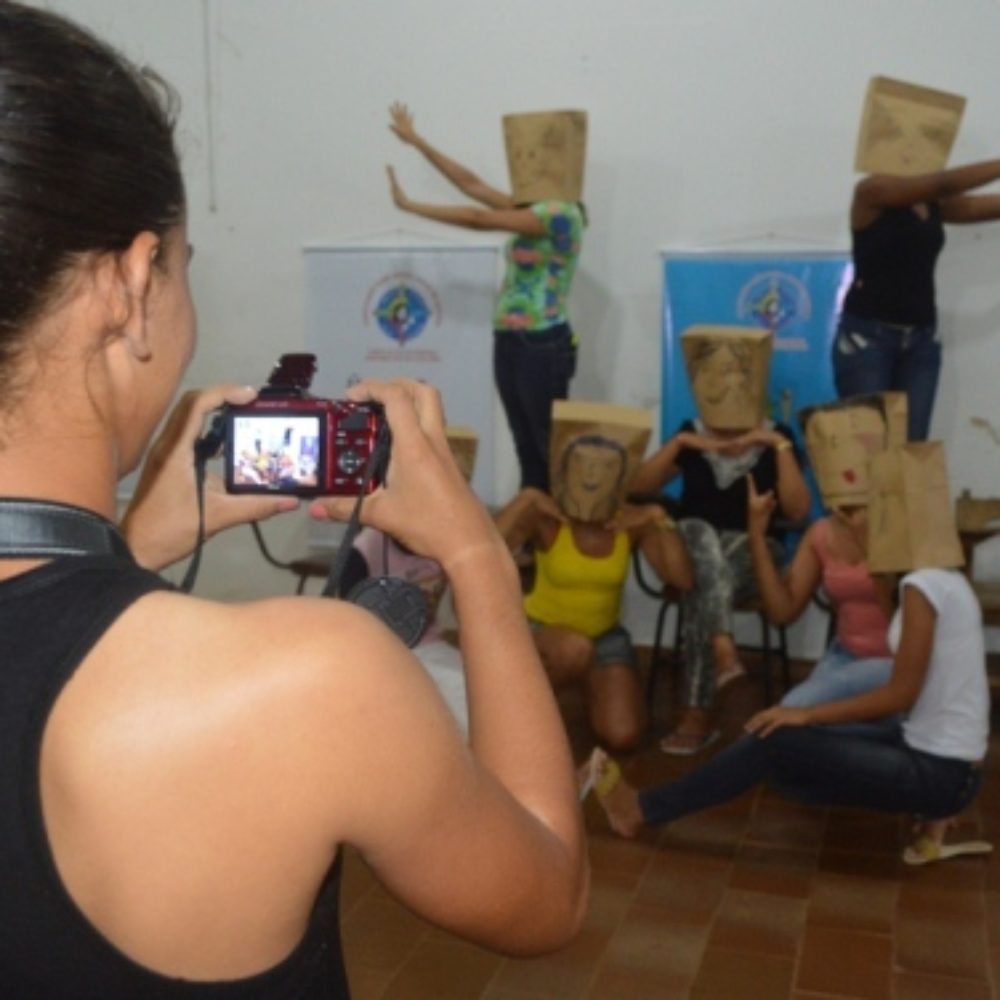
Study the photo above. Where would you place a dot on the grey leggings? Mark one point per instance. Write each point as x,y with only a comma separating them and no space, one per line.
723,577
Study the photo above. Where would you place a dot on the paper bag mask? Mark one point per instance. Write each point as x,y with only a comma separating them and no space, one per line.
910,522
906,129
463,442
545,155
594,451
841,437
727,368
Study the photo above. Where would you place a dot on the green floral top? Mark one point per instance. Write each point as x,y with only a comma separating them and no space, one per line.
540,270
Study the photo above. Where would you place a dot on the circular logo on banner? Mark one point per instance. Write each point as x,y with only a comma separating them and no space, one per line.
401,312
774,300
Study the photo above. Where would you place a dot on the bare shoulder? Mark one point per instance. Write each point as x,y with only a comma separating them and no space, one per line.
258,694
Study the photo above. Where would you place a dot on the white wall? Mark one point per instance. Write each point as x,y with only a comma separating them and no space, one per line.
713,123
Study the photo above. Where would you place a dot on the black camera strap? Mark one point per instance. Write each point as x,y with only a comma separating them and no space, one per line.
40,529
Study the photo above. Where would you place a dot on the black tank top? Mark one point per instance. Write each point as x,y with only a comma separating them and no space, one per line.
50,618
894,262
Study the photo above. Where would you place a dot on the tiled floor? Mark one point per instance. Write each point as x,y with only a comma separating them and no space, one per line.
755,900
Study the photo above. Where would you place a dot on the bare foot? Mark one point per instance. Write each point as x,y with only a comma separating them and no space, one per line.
618,799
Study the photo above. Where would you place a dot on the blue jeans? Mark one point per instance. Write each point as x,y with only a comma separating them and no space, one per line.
871,356
870,767
839,674
531,371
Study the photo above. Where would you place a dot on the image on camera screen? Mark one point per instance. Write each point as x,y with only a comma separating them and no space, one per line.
275,451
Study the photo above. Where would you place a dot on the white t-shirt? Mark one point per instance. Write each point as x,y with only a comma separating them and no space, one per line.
951,717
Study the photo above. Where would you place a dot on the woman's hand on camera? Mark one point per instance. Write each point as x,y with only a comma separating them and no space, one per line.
425,501
161,522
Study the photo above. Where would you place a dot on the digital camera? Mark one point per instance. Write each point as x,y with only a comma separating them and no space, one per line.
289,442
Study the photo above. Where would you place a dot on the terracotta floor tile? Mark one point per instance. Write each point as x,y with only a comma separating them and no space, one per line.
684,884
957,900
611,895
942,945
844,963
733,975
443,970
787,824
779,871
625,982
651,939
367,982
610,853
860,863
870,832
716,831
356,881
910,986
381,933
758,922
852,903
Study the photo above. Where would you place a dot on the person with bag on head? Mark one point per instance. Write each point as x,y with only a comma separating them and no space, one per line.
534,347
713,454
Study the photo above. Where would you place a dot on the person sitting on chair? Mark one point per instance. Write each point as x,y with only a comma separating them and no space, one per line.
840,438
730,439
583,538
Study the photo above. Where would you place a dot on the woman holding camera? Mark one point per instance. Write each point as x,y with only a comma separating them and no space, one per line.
171,812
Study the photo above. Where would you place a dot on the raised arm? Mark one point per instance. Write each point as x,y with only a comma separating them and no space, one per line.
877,192
784,597
528,517
512,220
661,467
464,179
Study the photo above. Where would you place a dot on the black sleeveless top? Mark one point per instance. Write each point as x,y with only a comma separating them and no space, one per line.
894,261
50,618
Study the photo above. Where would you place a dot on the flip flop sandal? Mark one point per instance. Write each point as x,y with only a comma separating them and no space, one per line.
688,744
924,851
600,774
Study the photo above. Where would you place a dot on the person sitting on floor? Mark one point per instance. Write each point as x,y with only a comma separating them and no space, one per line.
929,765
731,438
583,537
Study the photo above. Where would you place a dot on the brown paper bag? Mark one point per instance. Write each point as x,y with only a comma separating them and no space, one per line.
594,451
842,436
545,155
906,129
897,418
463,442
910,521
727,369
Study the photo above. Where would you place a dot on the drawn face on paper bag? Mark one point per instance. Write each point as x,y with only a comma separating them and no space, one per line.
592,478
841,441
593,450
906,129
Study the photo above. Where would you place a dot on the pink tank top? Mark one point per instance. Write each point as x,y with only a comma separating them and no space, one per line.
862,626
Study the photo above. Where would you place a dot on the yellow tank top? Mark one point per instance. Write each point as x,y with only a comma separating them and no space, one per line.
577,590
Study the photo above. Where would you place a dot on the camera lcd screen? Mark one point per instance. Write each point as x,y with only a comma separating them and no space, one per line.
275,452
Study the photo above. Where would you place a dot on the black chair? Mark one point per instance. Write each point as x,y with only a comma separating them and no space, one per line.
669,596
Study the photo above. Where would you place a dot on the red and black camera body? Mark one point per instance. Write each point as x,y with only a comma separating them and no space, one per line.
288,442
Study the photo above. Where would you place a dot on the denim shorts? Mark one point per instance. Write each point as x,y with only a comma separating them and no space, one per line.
613,646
